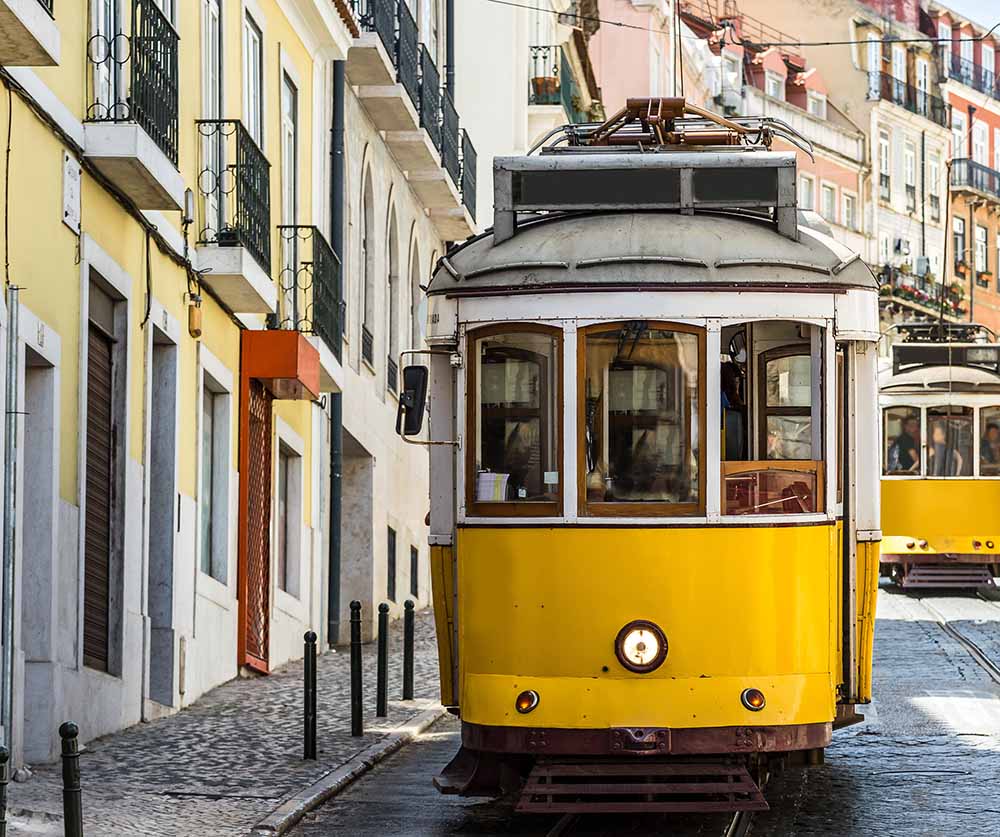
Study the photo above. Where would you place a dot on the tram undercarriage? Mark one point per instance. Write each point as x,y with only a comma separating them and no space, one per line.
939,571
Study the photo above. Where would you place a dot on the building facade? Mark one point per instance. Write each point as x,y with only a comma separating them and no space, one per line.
200,295
968,69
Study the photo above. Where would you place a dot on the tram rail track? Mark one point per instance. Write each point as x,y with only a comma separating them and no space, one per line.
990,666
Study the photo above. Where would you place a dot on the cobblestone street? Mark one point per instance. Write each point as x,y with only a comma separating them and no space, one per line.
926,761
218,767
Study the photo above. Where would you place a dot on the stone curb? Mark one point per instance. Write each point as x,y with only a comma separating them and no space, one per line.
286,815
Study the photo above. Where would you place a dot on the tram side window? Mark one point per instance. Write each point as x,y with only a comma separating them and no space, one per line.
989,442
772,419
902,441
515,424
642,411
949,441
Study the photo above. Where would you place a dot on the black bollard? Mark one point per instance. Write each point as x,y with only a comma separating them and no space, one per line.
309,698
357,723
408,650
4,758
72,799
382,669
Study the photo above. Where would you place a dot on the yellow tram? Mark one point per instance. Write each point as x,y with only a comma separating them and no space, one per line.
651,399
940,399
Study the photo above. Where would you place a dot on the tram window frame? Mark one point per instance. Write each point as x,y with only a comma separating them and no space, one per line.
651,508
981,430
512,508
966,411
921,470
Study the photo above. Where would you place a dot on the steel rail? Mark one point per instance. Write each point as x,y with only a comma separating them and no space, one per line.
977,653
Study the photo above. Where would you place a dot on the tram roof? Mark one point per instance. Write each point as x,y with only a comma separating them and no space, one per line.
935,379
651,250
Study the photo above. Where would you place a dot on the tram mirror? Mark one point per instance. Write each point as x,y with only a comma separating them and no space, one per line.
410,416
738,347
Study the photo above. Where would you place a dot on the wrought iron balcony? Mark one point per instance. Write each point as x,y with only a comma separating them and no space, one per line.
969,174
391,374
309,286
430,97
378,16
543,75
920,102
47,5
450,140
235,186
367,345
919,293
469,163
133,78
408,54
969,73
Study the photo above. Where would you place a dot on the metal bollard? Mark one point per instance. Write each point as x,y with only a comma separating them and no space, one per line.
4,778
382,669
408,650
72,798
357,721
309,698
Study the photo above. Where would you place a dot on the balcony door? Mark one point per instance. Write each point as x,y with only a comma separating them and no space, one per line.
981,142
898,74
107,52
212,187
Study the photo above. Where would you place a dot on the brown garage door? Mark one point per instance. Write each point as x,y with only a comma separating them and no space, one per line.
258,558
97,549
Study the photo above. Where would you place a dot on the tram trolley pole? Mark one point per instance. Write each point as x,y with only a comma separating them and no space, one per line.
408,650
382,669
309,697
72,796
357,720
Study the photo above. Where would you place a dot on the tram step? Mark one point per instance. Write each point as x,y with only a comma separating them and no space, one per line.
659,787
952,575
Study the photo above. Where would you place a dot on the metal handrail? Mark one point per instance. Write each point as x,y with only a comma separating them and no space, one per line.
235,186
47,5
966,172
975,76
430,97
378,16
151,53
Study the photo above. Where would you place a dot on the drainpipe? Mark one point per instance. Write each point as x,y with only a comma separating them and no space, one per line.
449,49
336,398
970,241
10,449
923,194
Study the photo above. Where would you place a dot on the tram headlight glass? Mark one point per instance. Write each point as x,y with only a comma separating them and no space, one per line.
753,699
641,646
526,701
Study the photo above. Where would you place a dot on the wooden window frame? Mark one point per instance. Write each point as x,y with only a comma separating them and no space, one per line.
809,466
792,412
511,508
651,509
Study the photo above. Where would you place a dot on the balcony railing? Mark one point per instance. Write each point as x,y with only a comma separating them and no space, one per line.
133,78
235,186
47,5
378,16
969,73
450,139
367,345
309,289
969,173
430,97
408,54
391,374
920,102
543,75
469,163
884,187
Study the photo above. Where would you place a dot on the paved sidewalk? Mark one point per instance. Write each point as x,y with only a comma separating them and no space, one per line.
218,767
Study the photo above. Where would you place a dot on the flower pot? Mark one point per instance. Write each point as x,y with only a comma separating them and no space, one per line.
545,87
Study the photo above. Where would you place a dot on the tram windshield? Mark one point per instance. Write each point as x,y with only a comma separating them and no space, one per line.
641,417
772,403
949,441
945,434
902,441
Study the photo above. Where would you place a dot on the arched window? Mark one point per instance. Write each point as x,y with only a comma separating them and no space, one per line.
392,306
368,270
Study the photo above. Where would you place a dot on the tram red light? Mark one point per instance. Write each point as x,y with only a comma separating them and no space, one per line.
753,699
910,544
977,544
526,701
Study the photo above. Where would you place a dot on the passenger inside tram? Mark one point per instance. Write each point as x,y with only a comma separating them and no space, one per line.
771,376
902,434
989,450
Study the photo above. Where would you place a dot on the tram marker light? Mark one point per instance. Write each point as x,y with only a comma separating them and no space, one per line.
526,701
910,544
923,544
977,544
989,544
753,699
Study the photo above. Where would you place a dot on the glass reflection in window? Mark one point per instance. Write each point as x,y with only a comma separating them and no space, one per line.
788,407
989,442
516,390
641,414
949,441
902,441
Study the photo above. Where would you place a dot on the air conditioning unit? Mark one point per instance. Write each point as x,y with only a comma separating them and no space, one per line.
901,246
922,266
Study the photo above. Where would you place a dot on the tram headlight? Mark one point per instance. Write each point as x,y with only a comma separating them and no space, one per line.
641,646
753,699
526,701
